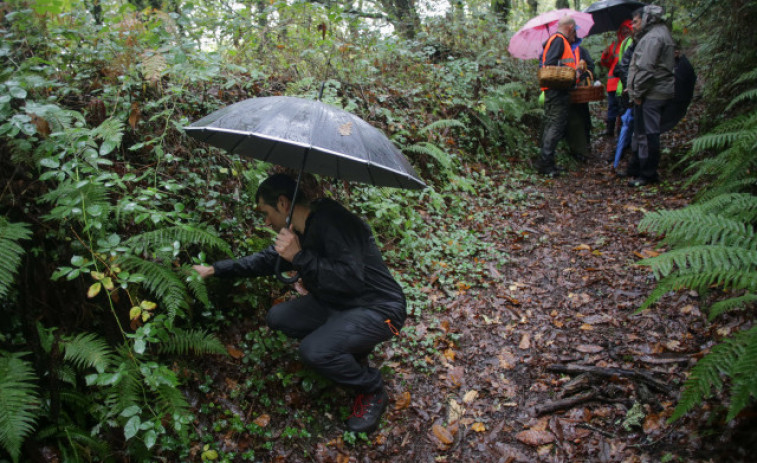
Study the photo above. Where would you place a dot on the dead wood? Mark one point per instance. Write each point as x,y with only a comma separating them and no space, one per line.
609,372
564,403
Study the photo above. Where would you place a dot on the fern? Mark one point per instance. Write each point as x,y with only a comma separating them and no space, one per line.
19,402
442,124
732,358
183,234
10,251
706,258
197,342
88,350
160,281
694,226
444,159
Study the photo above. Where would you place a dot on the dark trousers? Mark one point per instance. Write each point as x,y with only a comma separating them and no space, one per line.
332,340
613,107
556,107
646,127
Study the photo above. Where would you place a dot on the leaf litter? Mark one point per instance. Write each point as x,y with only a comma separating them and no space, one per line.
494,387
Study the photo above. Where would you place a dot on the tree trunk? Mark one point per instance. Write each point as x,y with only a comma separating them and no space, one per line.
403,16
502,9
533,7
562,4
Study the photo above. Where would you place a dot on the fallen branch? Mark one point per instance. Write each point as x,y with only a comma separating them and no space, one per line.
564,403
609,372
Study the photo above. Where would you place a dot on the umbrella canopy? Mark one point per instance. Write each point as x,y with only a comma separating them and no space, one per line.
528,42
308,135
609,14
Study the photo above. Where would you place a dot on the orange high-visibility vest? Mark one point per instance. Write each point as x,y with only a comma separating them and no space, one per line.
567,58
612,82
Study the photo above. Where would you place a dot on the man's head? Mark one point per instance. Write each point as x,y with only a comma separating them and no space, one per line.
567,27
274,198
636,20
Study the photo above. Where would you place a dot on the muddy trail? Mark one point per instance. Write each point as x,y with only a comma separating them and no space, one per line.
550,362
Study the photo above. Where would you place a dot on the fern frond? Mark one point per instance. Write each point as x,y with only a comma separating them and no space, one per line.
184,234
170,401
728,187
197,342
737,206
10,251
748,95
693,225
19,402
442,124
160,281
88,350
429,149
195,284
707,258
701,281
733,303
706,374
744,374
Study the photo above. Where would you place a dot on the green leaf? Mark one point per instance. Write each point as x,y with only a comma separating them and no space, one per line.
151,437
132,427
131,411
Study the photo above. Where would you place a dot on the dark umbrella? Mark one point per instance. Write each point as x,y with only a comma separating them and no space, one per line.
310,136
685,80
609,14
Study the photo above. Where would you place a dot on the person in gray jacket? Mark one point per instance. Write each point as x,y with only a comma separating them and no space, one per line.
651,84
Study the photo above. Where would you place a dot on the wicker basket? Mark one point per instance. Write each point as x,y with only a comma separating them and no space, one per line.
587,94
557,77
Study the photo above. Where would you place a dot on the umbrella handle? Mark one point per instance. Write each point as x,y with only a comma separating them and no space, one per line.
281,277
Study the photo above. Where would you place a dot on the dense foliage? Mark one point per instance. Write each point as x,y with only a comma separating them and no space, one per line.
106,203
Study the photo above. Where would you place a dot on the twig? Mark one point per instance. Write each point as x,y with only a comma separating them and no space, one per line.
597,430
564,403
639,375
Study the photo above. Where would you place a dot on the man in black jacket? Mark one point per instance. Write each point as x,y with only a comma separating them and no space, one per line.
352,302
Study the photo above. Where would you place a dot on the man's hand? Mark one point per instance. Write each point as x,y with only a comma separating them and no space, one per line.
287,244
204,270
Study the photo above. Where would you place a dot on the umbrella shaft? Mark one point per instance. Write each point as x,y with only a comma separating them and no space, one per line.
297,187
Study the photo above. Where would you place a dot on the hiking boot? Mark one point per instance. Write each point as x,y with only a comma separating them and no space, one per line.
367,411
642,182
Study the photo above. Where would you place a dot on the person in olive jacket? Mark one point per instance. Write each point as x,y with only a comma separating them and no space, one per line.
351,302
650,86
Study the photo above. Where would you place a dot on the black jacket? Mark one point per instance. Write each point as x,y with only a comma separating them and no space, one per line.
340,263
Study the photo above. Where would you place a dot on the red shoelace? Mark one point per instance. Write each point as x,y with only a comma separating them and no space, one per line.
358,409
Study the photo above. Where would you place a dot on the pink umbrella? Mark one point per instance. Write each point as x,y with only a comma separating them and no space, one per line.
528,42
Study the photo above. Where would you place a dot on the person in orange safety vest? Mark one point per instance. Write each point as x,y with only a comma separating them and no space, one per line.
557,52
609,60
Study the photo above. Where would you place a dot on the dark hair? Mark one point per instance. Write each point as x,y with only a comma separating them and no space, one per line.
278,185
638,12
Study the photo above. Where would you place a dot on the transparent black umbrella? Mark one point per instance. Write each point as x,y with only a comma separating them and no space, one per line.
609,14
308,135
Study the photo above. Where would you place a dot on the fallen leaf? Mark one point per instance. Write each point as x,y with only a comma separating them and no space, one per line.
535,438
507,360
525,341
455,412
449,354
234,352
403,401
134,115
478,427
263,420
589,348
587,327
342,458
582,247
470,396
345,129
442,434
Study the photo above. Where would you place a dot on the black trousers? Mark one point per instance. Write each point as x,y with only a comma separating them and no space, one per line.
333,341
556,107
646,157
